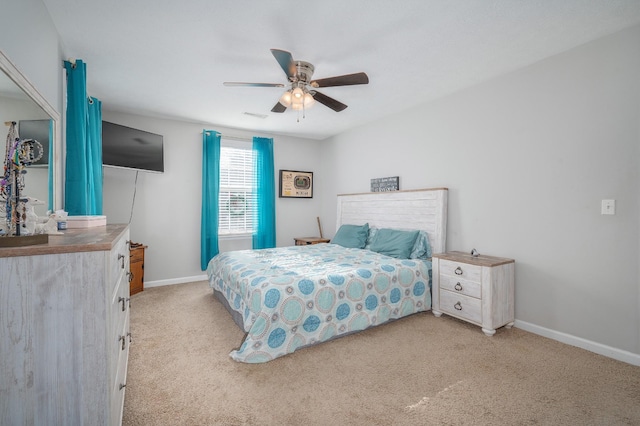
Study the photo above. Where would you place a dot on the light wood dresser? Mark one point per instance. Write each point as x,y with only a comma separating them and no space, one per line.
478,289
64,329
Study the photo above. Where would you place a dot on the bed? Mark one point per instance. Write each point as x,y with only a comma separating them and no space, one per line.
287,298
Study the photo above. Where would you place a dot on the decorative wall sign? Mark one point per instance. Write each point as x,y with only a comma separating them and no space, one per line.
295,184
385,184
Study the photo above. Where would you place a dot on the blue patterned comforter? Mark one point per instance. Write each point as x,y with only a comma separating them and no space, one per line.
290,297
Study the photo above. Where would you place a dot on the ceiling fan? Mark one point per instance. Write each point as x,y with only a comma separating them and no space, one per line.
301,93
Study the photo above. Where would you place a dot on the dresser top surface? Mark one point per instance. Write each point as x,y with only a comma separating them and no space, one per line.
481,260
99,238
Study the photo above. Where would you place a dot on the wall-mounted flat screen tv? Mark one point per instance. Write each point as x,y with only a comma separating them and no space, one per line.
130,148
40,130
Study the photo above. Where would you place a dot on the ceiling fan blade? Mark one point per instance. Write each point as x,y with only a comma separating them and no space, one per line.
285,60
342,80
239,84
335,105
279,108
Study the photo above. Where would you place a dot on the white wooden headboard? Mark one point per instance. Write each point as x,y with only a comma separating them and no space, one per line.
423,209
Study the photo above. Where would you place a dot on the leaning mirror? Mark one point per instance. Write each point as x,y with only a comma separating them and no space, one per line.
35,118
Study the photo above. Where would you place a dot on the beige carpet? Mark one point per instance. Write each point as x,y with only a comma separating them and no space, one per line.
419,370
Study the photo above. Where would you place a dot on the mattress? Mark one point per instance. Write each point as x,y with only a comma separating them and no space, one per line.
292,297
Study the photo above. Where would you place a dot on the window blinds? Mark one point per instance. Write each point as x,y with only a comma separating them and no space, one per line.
237,201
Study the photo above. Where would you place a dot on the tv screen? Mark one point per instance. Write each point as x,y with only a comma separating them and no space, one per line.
39,130
130,148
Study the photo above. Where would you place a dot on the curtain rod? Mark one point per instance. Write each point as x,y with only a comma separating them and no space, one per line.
235,138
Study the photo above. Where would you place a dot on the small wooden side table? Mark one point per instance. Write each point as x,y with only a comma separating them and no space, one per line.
303,241
136,267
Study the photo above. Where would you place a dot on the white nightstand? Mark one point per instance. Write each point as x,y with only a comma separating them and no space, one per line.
478,289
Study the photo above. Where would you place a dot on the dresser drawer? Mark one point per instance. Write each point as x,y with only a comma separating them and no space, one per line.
461,286
459,305
118,261
119,306
119,349
462,270
118,391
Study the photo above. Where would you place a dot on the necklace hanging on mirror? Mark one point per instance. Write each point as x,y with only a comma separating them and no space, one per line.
18,154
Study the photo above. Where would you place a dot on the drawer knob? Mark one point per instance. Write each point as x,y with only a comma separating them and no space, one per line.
458,271
458,306
458,286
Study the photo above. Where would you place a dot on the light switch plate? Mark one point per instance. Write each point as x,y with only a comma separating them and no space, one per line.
608,207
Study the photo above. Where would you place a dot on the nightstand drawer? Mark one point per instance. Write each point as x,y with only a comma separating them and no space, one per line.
461,286
462,270
461,306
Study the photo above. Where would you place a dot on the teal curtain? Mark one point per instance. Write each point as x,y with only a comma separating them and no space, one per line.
94,153
50,162
83,162
264,223
210,194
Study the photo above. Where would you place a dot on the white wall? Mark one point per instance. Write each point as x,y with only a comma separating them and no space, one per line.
31,42
29,38
166,213
527,158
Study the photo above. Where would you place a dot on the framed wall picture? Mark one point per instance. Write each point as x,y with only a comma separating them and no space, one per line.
294,184
385,184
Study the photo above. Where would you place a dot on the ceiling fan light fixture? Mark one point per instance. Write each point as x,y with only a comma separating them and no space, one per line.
303,103
308,100
286,98
298,94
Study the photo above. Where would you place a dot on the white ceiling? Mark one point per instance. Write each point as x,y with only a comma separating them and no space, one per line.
169,58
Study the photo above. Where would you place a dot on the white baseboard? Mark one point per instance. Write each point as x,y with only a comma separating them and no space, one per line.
183,280
608,351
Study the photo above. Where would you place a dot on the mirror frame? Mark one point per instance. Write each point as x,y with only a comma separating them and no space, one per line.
23,82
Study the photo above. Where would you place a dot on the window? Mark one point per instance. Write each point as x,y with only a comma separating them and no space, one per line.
236,200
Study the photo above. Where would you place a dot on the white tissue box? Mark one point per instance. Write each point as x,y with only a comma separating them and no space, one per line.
85,221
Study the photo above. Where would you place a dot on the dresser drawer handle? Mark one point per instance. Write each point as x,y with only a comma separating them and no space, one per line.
458,271
458,306
123,300
121,258
122,386
458,286
124,341
130,275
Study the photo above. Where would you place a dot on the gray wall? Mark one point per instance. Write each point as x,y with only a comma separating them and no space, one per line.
166,212
527,158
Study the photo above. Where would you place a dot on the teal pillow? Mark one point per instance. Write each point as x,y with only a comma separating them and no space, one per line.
351,236
394,243
421,248
370,238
